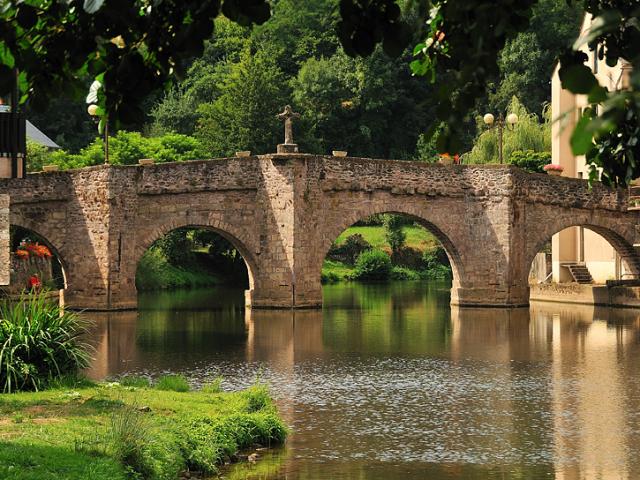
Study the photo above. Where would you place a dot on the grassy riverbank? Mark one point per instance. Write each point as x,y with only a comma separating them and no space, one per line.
156,273
118,432
420,258
417,238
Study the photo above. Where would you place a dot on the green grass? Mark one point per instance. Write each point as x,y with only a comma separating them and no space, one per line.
417,237
134,381
335,271
94,432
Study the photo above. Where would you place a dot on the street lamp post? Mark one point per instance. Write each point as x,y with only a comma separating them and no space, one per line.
93,111
500,124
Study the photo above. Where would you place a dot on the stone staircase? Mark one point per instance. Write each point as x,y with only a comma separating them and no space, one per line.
579,272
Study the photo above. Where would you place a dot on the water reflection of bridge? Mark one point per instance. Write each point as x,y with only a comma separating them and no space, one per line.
584,360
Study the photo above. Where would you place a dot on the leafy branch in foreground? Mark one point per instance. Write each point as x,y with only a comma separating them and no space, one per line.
131,48
463,43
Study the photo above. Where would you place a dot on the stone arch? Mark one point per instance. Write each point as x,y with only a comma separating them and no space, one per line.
25,225
225,230
620,234
406,208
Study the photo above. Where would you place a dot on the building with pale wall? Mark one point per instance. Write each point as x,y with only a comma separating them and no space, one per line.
578,245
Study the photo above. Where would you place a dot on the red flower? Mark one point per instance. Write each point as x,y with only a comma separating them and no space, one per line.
34,282
22,254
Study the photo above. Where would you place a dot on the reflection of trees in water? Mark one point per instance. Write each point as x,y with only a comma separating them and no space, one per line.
407,317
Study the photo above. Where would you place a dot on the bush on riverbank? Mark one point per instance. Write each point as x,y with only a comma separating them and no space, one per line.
39,343
113,432
156,273
372,265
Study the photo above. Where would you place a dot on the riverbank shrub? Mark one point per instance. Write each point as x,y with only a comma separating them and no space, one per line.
39,343
328,277
530,161
404,273
156,273
174,383
436,264
372,265
349,250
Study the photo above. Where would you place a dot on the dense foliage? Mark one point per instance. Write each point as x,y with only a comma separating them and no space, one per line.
39,343
463,44
125,148
529,160
373,265
527,134
349,250
133,49
188,258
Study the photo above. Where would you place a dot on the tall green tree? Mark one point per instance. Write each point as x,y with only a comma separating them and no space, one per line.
370,107
527,61
243,116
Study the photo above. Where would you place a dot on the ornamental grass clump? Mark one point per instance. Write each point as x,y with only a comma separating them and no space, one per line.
39,343
174,383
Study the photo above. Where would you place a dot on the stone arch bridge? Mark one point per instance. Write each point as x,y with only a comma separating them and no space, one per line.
283,211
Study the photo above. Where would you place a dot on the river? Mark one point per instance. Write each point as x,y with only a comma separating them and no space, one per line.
390,382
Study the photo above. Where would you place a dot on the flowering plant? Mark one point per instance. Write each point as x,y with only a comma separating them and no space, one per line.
34,282
41,251
446,158
554,167
22,254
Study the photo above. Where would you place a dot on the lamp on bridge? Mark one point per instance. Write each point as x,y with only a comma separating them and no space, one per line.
500,124
96,112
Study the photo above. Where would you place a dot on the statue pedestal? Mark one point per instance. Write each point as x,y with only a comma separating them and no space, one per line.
287,148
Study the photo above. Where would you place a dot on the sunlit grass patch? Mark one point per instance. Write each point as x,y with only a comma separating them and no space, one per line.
111,431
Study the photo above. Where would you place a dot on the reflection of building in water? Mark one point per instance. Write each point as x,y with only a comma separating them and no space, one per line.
589,383
113,335
586,420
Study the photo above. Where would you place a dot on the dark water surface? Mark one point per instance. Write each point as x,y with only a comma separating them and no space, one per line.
389,382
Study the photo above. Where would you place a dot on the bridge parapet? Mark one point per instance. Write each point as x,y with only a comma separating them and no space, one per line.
199,176
283,212
546,189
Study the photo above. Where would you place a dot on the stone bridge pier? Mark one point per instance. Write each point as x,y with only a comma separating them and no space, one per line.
282,212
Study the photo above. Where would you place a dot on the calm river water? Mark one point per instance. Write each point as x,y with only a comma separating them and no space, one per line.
390,382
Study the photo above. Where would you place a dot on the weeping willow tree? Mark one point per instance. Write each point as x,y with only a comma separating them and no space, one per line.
529,134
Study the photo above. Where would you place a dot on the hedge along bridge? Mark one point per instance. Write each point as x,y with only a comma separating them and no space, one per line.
283,211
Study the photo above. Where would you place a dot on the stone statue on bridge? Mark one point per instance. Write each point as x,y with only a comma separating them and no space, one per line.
289,146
